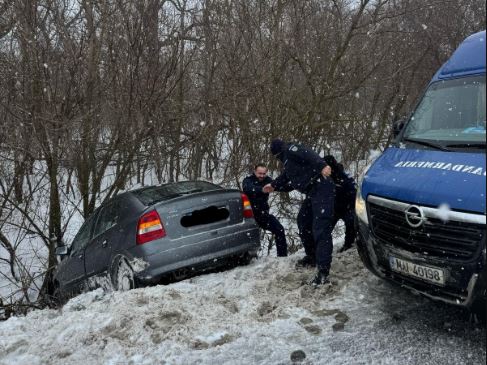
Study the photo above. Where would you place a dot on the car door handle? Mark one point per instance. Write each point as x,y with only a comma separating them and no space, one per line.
81,256
104,243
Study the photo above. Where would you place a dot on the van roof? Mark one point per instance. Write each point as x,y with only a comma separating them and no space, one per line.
468,59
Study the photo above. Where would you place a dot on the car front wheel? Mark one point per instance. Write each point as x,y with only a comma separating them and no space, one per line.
58,298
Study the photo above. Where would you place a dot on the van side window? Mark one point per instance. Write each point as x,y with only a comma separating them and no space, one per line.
83,236
108,217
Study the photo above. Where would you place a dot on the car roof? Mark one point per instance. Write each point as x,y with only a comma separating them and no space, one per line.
467,60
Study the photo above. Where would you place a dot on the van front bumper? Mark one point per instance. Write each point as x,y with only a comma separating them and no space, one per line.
465,281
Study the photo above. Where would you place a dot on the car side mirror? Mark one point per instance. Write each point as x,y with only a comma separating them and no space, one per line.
62,250
398,126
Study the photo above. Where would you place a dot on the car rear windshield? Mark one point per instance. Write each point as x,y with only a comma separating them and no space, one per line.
154,194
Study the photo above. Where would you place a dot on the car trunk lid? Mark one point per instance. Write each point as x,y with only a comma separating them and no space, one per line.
200,212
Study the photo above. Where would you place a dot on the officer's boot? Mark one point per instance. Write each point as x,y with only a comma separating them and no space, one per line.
347,246
307,262
321,278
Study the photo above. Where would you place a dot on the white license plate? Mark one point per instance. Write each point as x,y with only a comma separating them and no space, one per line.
426,273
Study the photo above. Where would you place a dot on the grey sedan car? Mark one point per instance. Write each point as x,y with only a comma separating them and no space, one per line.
142,236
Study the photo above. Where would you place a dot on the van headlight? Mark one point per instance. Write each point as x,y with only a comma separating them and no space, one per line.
360,203
360,206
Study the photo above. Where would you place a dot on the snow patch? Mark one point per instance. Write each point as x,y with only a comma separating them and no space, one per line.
444,212
263,313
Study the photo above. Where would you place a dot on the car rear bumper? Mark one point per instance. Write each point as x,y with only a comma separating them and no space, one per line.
465,281
197,254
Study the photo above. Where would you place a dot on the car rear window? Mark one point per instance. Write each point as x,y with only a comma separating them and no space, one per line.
154,194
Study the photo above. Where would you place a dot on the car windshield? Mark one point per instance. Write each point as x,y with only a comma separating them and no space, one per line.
451,114
154,194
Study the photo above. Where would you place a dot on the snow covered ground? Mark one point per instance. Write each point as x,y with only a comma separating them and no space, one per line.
258,314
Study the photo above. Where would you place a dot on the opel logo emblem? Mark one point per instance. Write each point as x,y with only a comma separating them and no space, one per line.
415,216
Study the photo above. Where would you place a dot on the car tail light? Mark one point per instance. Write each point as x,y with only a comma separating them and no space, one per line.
150,228
247,208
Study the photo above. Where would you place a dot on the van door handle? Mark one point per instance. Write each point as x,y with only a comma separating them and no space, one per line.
104,243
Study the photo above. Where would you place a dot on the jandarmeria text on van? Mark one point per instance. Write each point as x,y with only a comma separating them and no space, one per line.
474,170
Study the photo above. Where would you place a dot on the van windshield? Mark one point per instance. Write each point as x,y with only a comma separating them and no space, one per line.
451,114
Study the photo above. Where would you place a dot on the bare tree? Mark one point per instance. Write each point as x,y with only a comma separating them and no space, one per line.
96,97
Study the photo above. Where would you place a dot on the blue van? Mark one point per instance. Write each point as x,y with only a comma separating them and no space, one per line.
421,209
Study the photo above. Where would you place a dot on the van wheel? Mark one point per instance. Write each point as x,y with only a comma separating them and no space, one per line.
122,276
479,309
364,255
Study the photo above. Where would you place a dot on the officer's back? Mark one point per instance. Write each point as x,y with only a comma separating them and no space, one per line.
302,166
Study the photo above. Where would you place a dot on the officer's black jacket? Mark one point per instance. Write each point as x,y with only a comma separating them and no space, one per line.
345,189
259,200
301,168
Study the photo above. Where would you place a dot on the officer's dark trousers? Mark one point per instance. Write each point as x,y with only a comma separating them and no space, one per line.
315,222
270,223
348,217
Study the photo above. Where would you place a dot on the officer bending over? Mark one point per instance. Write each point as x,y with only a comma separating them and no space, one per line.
253,188
307,172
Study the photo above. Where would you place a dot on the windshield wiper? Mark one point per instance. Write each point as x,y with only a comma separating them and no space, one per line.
427,144
467,145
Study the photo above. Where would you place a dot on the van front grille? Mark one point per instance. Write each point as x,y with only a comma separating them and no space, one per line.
450,240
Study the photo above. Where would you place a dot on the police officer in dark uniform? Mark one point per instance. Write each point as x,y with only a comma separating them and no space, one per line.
252,187
346,192
307,172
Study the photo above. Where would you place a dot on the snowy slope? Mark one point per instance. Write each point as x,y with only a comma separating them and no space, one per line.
257,314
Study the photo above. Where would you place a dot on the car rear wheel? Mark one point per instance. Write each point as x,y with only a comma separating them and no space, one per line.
122,277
